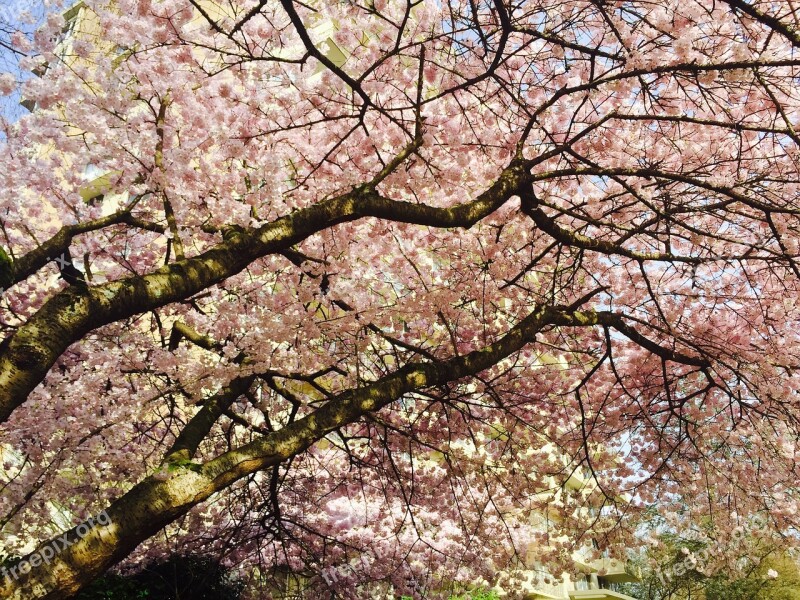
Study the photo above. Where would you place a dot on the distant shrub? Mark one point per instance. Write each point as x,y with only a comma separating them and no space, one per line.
178,578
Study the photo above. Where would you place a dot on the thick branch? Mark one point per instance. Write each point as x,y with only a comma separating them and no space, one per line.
765,19
30,263
155,502
197,428
26,357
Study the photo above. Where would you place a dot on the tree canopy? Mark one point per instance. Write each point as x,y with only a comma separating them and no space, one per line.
294,282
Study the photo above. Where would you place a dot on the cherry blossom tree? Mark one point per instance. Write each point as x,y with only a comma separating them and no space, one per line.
367,284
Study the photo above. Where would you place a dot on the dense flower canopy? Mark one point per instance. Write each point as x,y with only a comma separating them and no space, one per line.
381,278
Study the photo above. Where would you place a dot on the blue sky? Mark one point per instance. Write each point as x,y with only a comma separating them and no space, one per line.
24,16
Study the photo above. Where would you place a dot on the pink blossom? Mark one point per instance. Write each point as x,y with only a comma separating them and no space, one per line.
8,83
